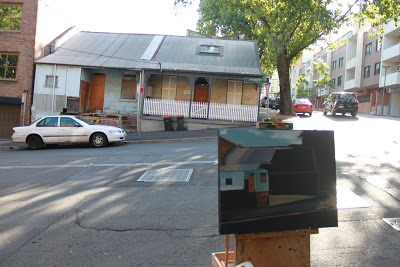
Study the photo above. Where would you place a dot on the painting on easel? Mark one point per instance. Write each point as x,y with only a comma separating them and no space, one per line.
276,180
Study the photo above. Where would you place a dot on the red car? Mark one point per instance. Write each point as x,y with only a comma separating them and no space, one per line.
303,105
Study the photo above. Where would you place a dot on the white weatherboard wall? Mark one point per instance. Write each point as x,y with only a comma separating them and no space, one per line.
112,96
46,96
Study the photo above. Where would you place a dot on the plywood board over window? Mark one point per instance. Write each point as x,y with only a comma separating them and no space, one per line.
128,87
169,87
235,89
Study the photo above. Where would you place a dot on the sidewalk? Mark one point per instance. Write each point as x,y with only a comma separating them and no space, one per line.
136,138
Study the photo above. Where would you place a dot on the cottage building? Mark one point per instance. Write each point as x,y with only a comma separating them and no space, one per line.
197,77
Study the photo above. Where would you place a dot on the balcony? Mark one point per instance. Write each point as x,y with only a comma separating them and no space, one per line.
391,54
350,85
391,79
351,63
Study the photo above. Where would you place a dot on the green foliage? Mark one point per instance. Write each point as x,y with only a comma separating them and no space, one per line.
284,28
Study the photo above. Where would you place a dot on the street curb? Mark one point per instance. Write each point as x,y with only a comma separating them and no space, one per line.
3,148
192,139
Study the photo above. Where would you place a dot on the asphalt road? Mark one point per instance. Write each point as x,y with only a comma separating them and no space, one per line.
84,206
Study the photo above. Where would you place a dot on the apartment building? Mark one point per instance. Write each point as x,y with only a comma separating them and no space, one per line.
17,41
364,65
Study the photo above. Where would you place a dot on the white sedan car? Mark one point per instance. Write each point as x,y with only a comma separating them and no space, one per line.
65,130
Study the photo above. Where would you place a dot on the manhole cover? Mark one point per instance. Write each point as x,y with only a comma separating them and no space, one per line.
394,222
166,175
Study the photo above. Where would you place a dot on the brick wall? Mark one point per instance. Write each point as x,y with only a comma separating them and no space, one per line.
23,43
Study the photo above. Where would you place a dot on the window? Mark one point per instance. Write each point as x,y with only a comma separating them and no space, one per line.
8,66
367,71
368,49
50,81
48,122
228,181
379,44
339,81
67,122
128,87
334,81
169,87
210,49
10,17
334,65
340,62
377,70
234,92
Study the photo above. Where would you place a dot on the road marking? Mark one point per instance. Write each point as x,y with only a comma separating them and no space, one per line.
110,165
394,222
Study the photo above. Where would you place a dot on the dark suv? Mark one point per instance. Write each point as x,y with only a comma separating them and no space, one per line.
341,102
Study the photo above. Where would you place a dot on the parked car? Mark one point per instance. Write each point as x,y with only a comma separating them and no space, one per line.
341,102
66,129
303,105
275,103
263,101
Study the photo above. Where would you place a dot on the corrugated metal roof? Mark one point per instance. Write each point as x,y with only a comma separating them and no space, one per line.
175,53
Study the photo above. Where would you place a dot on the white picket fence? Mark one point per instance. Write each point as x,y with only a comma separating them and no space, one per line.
218,111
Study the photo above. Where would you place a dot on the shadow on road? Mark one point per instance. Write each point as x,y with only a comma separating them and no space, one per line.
341,118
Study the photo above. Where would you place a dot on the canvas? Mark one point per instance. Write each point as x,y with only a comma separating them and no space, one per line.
276,180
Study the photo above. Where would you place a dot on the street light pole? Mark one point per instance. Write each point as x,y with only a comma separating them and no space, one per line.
384,85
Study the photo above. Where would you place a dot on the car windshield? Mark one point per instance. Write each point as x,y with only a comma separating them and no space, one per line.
85,121
302,101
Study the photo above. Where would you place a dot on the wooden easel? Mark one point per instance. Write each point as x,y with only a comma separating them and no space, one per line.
286,248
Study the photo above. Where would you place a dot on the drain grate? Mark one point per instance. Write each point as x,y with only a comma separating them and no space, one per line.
394,222
166,175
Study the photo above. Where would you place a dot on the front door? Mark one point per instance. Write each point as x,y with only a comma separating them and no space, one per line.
96,97
201,94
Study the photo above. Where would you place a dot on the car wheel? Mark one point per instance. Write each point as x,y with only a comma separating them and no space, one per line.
98,140
310,114
333,113
343,113
35,142
353,114
324,112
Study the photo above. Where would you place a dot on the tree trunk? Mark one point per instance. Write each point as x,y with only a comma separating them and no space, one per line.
285,104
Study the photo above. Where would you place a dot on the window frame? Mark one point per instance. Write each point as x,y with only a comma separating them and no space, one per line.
125,77
9,17
367,72
48,84
379,69
7,66
232,93
334,65
368,49
339,81
379,44
341,60
44,120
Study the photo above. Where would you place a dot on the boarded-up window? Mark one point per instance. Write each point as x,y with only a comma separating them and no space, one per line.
128,88
169,87
234,92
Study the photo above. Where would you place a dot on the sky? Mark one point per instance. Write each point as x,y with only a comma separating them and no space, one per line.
127,16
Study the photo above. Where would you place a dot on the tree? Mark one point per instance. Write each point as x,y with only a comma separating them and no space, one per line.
284,28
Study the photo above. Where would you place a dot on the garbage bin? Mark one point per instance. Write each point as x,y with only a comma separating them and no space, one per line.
179,120
168,123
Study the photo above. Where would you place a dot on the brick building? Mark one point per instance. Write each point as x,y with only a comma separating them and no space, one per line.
17,41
